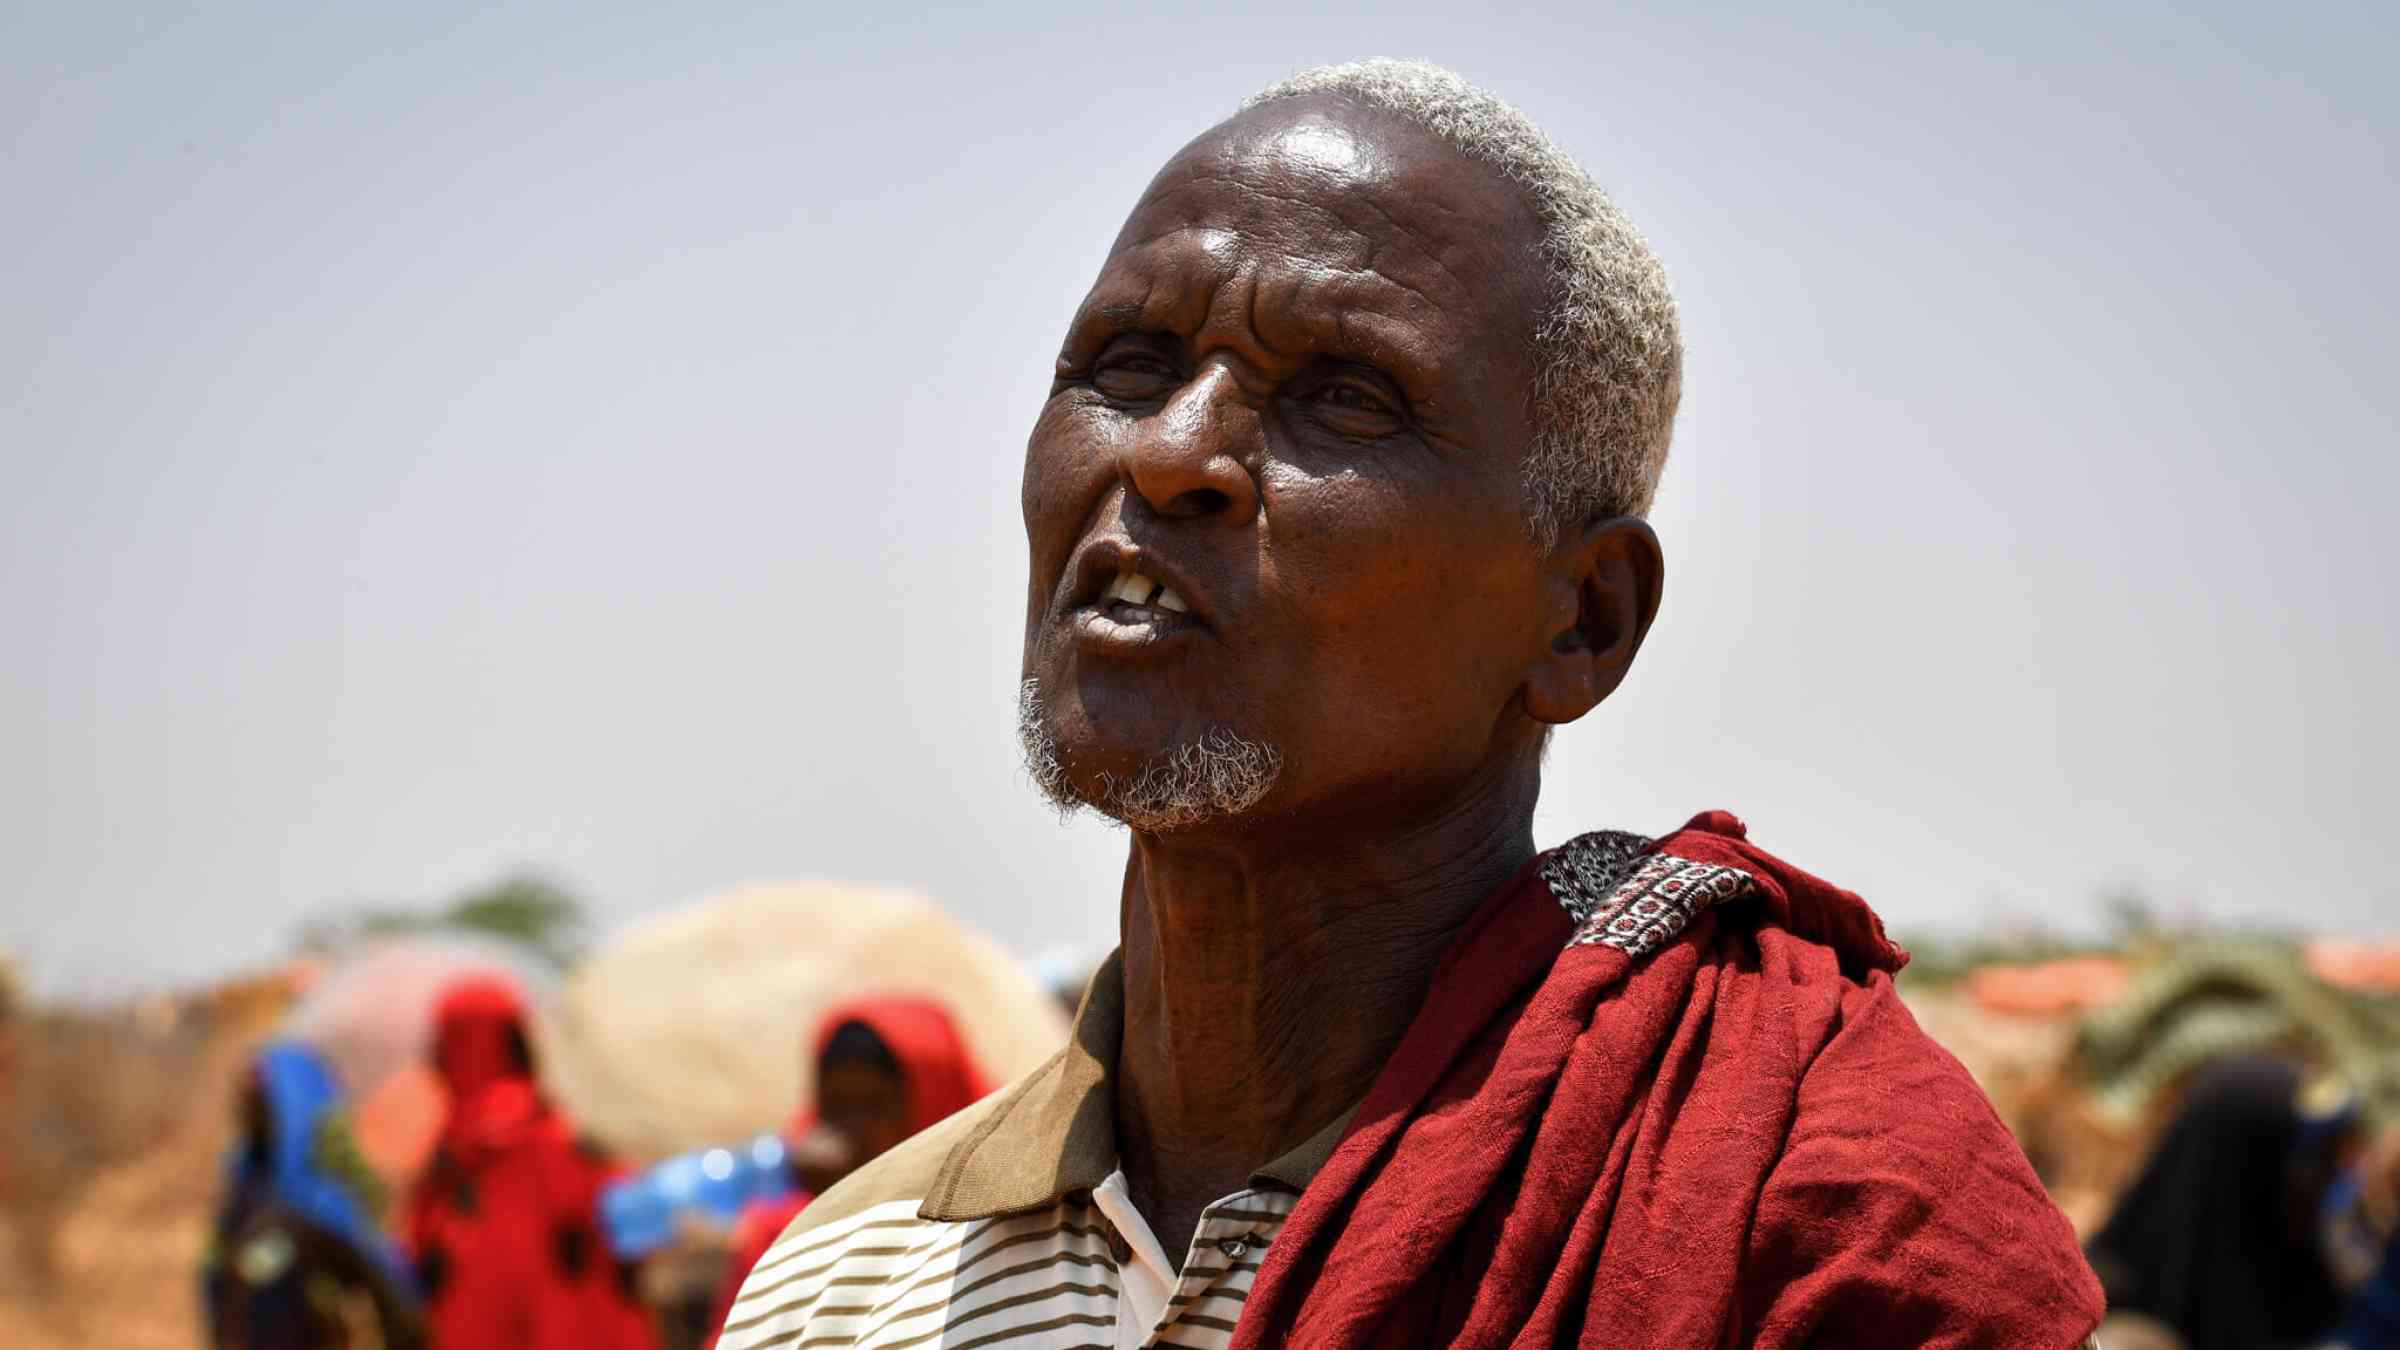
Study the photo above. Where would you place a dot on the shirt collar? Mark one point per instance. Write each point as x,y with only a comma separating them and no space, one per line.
1055,1132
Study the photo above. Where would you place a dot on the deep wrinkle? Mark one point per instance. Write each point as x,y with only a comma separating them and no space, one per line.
1322,312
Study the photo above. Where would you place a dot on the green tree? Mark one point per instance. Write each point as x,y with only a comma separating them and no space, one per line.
526,909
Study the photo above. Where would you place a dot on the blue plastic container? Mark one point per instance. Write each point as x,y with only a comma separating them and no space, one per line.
643,1212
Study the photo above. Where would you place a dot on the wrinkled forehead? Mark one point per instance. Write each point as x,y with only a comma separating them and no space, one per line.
1326,208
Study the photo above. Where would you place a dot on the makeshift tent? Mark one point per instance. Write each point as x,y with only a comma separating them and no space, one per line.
695,1028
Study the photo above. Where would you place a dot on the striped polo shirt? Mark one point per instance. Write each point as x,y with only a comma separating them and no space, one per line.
1009,1224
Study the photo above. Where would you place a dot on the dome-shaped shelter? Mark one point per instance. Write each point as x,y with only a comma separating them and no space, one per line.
697,1027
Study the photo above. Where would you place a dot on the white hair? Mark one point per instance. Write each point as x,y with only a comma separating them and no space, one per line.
1217,775
1610,360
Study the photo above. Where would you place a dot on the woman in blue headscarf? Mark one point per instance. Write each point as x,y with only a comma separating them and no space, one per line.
298,1261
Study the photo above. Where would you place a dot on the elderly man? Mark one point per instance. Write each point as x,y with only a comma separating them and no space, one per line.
1335,513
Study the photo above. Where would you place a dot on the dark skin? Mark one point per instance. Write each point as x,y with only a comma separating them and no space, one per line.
862,1111
1297,395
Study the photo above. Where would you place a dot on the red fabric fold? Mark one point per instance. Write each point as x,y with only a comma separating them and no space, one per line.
1741,1138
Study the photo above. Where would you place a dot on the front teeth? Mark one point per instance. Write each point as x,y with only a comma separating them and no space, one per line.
1136,589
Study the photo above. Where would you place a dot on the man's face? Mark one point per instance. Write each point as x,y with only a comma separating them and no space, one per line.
1298,399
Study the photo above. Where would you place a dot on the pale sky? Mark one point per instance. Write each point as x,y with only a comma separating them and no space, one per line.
437,440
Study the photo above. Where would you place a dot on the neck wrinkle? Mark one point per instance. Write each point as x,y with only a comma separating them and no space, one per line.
1267,981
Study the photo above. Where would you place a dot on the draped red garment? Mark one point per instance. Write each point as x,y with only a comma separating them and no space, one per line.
1738,1138
938,1073
504,1220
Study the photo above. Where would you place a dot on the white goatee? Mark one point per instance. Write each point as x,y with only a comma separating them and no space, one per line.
1217,775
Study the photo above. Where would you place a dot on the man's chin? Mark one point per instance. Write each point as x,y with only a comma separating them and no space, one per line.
1215,775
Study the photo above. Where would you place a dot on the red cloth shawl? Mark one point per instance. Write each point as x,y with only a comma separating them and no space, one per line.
1707,1122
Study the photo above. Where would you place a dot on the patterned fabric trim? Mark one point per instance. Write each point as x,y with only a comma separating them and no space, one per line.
1635,902
1584,872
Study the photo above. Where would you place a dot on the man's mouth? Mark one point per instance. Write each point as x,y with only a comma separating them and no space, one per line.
1132,592
1137,609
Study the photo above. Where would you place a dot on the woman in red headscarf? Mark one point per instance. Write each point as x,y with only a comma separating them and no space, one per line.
503,1222
886,1068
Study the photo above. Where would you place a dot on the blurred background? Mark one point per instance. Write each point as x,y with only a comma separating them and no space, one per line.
483,485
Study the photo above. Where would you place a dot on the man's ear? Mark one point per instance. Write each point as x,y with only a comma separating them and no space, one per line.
1604,586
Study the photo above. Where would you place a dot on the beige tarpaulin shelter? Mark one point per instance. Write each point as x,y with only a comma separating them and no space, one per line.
697,1028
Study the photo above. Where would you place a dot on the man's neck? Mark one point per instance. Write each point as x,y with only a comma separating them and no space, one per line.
1268,978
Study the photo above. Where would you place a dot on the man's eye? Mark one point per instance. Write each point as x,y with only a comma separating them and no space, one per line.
1346,396
1134,379
1352,409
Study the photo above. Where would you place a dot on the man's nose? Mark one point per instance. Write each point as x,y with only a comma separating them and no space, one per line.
1192,458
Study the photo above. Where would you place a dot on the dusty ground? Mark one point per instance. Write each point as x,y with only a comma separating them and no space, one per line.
114,1126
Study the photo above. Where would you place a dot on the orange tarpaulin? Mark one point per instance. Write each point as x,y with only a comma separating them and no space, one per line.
2049,987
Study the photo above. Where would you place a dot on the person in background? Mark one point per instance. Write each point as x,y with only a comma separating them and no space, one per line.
2371,1320
2359,1224
297,1260
886,1069
2215,1246
504,1219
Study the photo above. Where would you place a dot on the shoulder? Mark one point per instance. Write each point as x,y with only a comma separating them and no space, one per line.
1899,1199
867,1256
907,1173
862,1234
865,1231
1877,1059
1873,1091
1883,1103
870,1247
1899,1187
